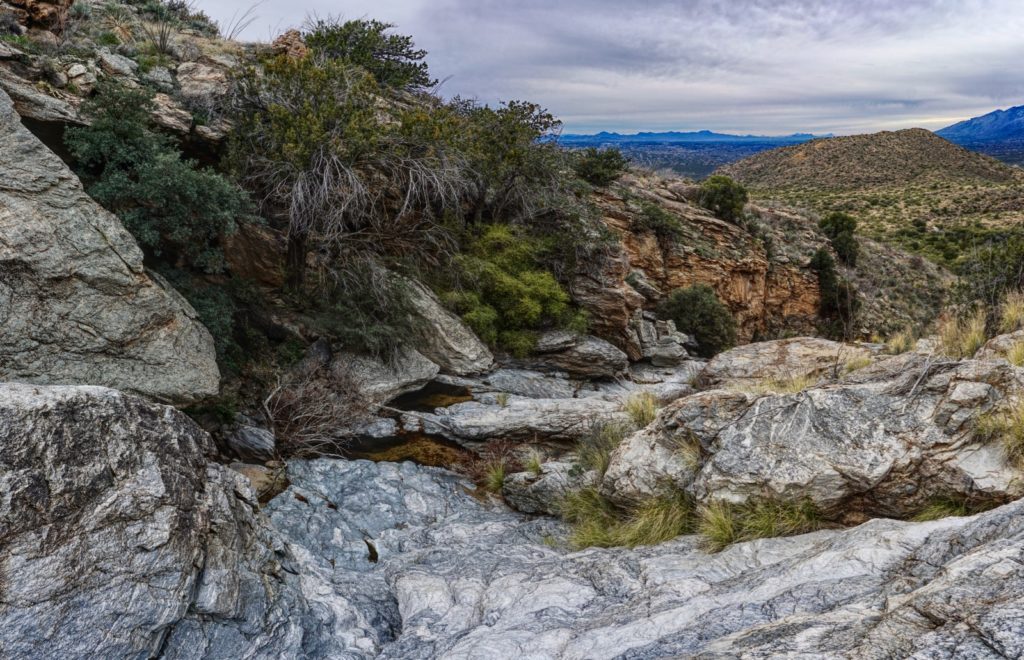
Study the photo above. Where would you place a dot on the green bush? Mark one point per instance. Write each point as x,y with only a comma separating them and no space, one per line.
840,227
505,295
839,303
392,59
697,311
176,210
599,167
655,218
723,197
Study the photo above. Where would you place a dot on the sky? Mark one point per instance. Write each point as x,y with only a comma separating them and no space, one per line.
766,67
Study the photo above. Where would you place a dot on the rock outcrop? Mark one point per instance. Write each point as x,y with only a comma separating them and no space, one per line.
578,356
121,540
800,357
76,304
444,338
885,441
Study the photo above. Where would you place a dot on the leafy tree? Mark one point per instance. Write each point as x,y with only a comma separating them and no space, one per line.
723,197
599,167
840,227
839,303
697,311
392,59
176,210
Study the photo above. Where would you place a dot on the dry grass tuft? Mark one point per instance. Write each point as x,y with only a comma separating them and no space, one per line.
722,524
1011,313
962,337
642,408
901,342
790,385
594,450
597,523
1006,427
854,364
1015,355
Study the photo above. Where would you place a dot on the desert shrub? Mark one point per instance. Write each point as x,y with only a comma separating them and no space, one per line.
368,310
839,303
840,227
313,413
697,311
505,295
177,210
313,142
723,197
991,269
655,218
599,167
392,59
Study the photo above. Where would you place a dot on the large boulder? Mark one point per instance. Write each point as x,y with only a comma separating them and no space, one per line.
444,338
378,379
1000,346
519,419
76,303
578,355
120,539
886,441
783,359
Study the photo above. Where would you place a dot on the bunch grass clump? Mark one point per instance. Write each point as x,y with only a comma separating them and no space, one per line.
962,337
901,342
597,523
783,385
594,450
1011,313
1006,427
1015,355
642,408
857,363
951,506
721,524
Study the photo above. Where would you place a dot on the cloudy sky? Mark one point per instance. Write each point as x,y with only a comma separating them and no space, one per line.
758,66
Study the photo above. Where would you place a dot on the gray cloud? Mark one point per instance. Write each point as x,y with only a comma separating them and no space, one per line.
765,66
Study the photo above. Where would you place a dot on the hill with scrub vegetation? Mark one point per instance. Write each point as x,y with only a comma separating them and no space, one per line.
911,189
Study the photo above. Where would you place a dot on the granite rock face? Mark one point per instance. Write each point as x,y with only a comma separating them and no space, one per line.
884,441
76,304
579,356
121,540
444,338
782,359
419,569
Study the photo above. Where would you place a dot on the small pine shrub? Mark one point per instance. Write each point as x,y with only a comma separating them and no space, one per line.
723,197
697,311
599,167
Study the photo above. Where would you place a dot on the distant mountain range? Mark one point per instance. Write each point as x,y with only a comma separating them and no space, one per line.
999,134
676,137
999,125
